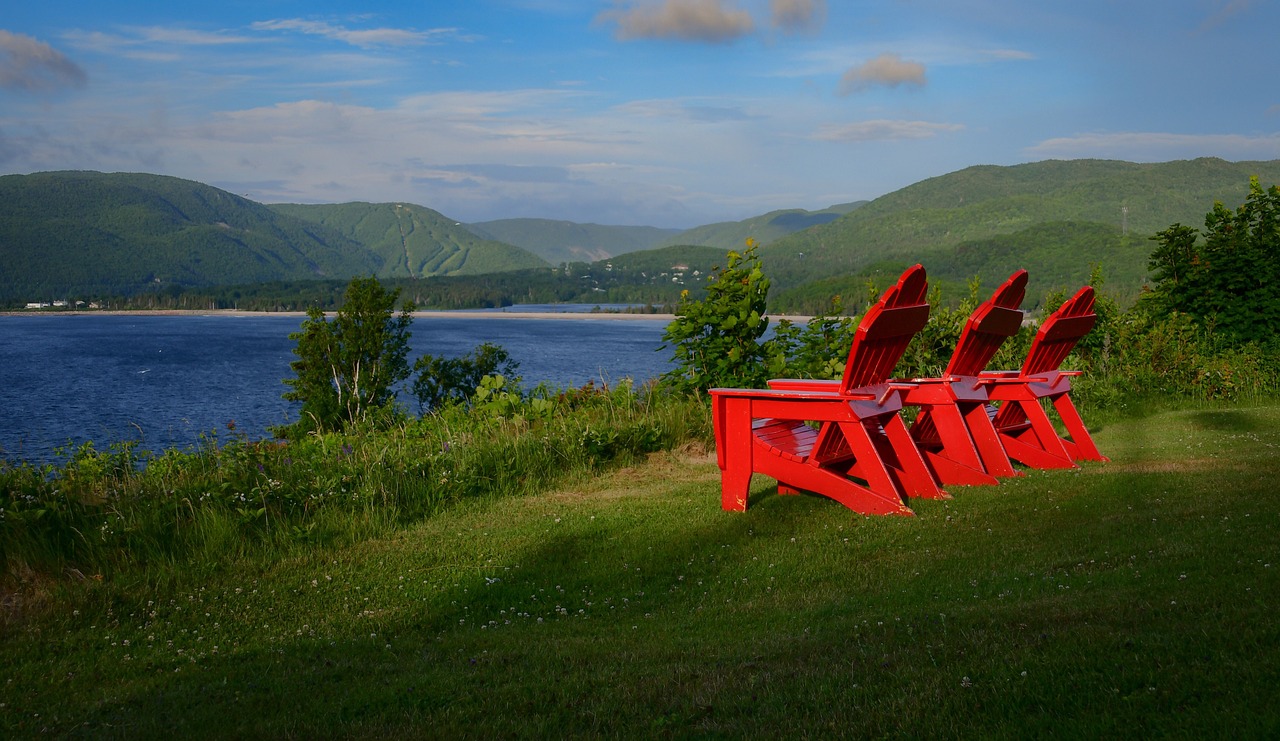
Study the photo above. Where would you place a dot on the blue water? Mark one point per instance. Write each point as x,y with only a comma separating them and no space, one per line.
166,380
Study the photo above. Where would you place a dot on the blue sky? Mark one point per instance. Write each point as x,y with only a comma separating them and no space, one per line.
668,113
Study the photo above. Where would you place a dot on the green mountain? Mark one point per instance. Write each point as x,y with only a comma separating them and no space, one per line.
1058,255
565,241
91,233
414,241
974,207
764,229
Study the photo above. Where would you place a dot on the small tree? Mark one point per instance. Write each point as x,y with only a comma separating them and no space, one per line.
717,340
441,380
350,366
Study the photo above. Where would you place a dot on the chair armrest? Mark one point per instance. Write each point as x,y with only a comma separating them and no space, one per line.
791,394
804,384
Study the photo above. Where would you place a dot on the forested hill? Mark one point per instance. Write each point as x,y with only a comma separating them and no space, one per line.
92,233
928,220
415,241
567,241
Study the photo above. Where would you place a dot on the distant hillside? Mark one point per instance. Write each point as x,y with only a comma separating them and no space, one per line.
91,233
565,241
764,229
980,203
414,241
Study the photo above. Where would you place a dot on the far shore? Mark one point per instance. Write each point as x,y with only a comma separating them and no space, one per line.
461,314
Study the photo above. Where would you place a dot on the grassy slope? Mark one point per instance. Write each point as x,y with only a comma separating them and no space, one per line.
566,241
414,241
1133,597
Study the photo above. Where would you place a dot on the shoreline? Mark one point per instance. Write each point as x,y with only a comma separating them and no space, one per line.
459,314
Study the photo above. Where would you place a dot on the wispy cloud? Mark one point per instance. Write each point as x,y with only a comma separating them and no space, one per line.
686,110
1158,146
152,43
33,66
363,38
710,21
888,70
1228,10
883,130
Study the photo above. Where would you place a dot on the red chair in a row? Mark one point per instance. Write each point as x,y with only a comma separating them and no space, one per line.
845,440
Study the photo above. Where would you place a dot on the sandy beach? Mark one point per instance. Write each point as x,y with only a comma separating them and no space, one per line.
426,315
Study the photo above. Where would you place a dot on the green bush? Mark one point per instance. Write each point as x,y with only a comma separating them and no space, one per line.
716,341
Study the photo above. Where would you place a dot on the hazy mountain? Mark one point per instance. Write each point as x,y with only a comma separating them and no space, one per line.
565,241
764,229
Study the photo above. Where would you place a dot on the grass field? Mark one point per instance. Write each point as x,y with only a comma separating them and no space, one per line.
1137,597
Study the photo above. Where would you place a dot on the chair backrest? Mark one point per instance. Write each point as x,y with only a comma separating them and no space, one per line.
886,330
996,320
1058,334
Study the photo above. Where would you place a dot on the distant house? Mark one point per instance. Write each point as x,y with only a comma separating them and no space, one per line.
37,305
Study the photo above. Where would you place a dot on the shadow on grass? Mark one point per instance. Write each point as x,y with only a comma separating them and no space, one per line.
1227,420
540,644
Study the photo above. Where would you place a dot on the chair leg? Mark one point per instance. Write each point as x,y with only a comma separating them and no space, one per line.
1038,445
1081,446
957,460
915,478
734,450
995,460
833,485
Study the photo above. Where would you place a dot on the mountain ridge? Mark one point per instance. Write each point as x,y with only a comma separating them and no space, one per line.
122,233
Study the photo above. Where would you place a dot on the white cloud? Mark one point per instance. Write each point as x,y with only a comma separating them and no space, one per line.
797,15
33,66
889,70
711,21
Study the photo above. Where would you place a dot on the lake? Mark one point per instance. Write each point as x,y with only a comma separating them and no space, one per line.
166,380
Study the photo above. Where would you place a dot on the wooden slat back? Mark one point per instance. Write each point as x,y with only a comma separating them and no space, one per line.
1058,334
996,320
886,330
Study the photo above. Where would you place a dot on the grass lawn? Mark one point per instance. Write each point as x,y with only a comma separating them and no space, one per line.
1132,598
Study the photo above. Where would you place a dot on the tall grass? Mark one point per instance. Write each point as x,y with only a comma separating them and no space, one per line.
106,512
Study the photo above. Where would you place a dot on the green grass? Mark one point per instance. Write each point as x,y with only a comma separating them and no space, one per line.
1135,597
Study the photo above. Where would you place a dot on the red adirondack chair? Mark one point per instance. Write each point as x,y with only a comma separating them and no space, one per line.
1022,422
953,430
861,453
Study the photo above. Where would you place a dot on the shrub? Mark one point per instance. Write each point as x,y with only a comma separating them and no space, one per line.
443,380
716,340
